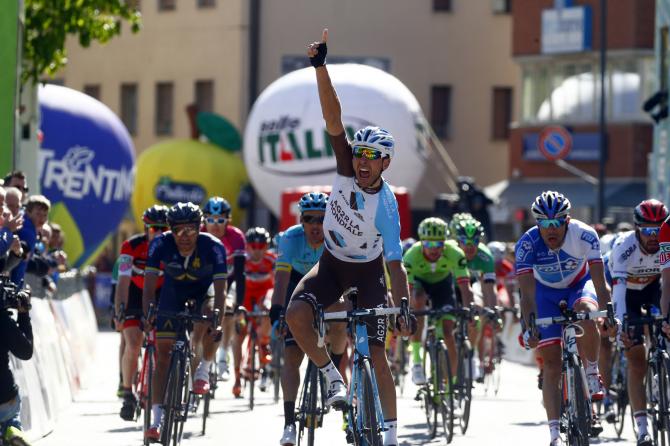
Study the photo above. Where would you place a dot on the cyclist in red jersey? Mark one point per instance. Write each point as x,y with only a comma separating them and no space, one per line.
505,276
217,217
259,272
132,261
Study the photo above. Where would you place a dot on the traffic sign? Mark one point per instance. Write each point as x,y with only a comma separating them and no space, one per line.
555,142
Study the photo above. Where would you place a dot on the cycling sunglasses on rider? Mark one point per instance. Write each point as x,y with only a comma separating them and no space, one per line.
156,228
185,231
433,244
649,231
546,223
468,241
367,153
216,221
310,219
257,245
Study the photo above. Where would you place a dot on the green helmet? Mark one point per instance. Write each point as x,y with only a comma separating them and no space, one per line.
467,230
433,228
455,219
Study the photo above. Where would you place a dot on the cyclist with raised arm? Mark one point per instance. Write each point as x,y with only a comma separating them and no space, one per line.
362,229
636,281
431,263
259,274
132,261
218,216
559,259
299,249
192,261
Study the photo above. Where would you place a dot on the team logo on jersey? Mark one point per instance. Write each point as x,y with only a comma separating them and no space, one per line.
522,250
664,253
592,239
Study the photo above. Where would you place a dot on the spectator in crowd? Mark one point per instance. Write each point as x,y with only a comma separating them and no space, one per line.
17,339
13,198
11,252
56,248
16,179
37,211
2,197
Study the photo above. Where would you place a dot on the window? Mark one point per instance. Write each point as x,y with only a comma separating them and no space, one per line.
206,3
129,107
502,112
501,6
440,106
167,5
93,90
204,95
164,104
442,5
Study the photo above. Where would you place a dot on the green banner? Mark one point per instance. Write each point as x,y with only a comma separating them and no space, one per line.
9,20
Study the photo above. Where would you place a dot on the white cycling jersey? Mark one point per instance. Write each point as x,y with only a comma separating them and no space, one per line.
631,268
359,226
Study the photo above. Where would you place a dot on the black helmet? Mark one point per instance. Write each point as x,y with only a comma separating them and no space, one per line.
257,235
155,215
216,206
182,213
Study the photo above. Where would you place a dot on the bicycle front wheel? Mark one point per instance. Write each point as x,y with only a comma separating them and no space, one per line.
276,365
444,397
664,400
253,352
578,407
464,386
619,390
426,391
147,382
172,400
371,431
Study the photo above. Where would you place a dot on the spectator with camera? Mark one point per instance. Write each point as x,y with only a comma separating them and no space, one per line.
17,339
11,251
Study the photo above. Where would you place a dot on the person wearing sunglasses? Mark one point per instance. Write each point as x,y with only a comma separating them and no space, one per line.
131,263
191,261
559,259
432,264
362,230
636,273
218,213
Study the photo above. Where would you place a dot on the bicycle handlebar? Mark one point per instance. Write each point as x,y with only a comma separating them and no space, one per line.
571,318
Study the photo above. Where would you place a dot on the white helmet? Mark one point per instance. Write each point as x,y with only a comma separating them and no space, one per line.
498,250
375,138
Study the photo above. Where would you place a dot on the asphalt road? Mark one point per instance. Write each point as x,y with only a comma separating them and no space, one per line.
514,417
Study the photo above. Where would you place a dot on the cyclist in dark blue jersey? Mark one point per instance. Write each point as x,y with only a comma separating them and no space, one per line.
191,261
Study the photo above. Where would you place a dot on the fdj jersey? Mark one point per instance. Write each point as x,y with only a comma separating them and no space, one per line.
563,267
452,261
359,225
295,253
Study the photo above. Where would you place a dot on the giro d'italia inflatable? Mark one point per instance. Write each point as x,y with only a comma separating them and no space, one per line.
86,168
285,142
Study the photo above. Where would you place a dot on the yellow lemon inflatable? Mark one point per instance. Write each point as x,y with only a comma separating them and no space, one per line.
187,170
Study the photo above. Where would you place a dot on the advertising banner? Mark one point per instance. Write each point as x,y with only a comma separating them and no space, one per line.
286,144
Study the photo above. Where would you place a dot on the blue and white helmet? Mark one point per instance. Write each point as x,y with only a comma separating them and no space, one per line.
217,206
313,201
550,204
375,138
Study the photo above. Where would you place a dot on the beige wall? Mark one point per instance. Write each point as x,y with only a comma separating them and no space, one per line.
468,48
180,46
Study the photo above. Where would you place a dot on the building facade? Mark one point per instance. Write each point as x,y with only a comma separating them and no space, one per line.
556,44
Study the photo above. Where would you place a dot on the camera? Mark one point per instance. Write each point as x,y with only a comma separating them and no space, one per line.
11,296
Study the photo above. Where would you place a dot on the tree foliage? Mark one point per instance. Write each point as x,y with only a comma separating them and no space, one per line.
49,22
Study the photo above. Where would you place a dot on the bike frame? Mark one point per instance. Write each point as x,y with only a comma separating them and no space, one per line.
570,356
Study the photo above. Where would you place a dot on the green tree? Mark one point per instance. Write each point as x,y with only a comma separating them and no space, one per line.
48,23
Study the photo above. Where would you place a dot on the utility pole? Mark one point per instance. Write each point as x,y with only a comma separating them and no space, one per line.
603,129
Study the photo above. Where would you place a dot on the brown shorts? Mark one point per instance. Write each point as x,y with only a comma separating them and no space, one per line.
330,277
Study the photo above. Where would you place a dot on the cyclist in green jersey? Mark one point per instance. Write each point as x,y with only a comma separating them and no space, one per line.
430,264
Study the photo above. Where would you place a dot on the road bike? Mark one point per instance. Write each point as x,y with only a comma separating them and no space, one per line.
251,363
277,351
312,408
462,387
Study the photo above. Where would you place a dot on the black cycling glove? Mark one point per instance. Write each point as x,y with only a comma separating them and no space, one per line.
320,59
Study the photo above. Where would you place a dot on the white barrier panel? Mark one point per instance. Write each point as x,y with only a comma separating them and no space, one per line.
513,350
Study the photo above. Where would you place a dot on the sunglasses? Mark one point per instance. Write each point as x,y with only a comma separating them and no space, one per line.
546,223
433,244
468,241
257,245
648,232
312,219
157,228
218,221
185,231
367,153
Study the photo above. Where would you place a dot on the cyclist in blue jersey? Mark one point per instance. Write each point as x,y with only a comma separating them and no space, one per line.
361,231
299,249
559,259
191,261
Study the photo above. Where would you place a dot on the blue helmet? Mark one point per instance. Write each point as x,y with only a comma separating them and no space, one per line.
313,201
375,138
184,213
216,206
550,204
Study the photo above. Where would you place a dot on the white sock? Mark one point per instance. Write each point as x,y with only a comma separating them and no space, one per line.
641,421
157,412
331,373
591,367
203,369
391,435
223,355
554,430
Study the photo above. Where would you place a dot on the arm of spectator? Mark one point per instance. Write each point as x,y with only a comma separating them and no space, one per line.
38,266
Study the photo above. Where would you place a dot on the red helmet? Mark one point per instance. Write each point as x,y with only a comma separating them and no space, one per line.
650,211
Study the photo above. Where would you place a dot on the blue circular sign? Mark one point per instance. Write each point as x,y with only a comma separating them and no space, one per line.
555,142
